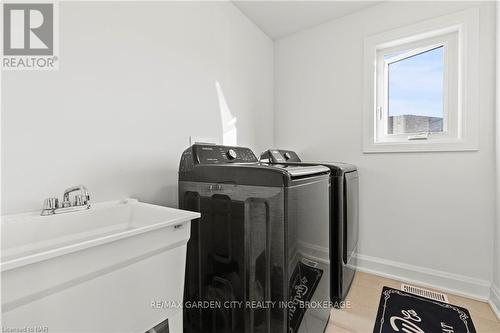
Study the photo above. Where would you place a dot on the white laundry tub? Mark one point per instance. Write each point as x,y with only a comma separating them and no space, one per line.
100,270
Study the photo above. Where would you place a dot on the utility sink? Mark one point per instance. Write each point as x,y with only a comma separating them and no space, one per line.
28,238
96,270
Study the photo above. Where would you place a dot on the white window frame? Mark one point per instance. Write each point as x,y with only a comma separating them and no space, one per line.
450,85
458,34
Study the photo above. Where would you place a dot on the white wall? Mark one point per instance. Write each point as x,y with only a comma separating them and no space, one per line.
135,80
495,289
423,216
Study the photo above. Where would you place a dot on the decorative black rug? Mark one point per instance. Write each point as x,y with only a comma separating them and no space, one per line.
303,283
399,311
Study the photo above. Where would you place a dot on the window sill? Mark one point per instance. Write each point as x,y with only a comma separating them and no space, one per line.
418,146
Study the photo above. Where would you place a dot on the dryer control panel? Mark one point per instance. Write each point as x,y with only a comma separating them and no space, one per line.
279,156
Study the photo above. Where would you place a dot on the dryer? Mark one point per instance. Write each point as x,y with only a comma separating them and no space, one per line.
260,248
344,216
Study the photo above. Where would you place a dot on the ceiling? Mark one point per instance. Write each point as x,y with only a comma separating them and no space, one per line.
280,18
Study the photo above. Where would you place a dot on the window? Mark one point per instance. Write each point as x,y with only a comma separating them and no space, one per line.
421,87
417,88
415,92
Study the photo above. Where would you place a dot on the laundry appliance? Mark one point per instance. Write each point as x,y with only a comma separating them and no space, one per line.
344,224
258,257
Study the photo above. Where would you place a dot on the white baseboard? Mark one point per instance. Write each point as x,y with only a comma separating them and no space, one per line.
426,277
495,300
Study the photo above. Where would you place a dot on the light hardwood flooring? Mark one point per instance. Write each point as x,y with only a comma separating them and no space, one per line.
364,297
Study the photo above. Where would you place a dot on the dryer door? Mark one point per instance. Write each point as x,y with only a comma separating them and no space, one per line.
351,216
308,242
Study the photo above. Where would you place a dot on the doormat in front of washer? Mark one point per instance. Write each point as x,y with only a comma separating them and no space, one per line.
304,281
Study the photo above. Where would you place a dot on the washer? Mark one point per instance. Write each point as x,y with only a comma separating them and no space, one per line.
344,217
262,238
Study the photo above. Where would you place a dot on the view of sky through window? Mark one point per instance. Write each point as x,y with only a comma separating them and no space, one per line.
416,93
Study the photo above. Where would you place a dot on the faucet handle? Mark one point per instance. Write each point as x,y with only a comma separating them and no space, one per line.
81,200
50,203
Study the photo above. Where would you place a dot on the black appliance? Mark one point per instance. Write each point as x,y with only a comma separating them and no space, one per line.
262,237
344,217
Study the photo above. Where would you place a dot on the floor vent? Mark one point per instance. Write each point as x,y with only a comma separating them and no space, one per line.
424,293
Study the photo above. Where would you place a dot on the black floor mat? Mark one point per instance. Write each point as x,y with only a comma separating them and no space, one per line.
304,281
399,311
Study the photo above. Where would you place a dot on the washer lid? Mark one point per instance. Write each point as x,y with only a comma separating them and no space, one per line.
289,157
296,171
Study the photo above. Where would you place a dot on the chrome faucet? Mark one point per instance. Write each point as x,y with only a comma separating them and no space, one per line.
81,202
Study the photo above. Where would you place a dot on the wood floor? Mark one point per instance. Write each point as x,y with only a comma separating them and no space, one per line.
364,297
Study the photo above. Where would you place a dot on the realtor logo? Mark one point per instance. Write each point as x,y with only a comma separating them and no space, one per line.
29,36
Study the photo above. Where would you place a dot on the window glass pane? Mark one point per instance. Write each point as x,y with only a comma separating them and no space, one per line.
415,102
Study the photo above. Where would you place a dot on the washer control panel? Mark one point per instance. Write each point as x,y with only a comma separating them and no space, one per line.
215,154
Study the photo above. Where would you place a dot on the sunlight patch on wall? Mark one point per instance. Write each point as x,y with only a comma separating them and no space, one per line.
229,130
